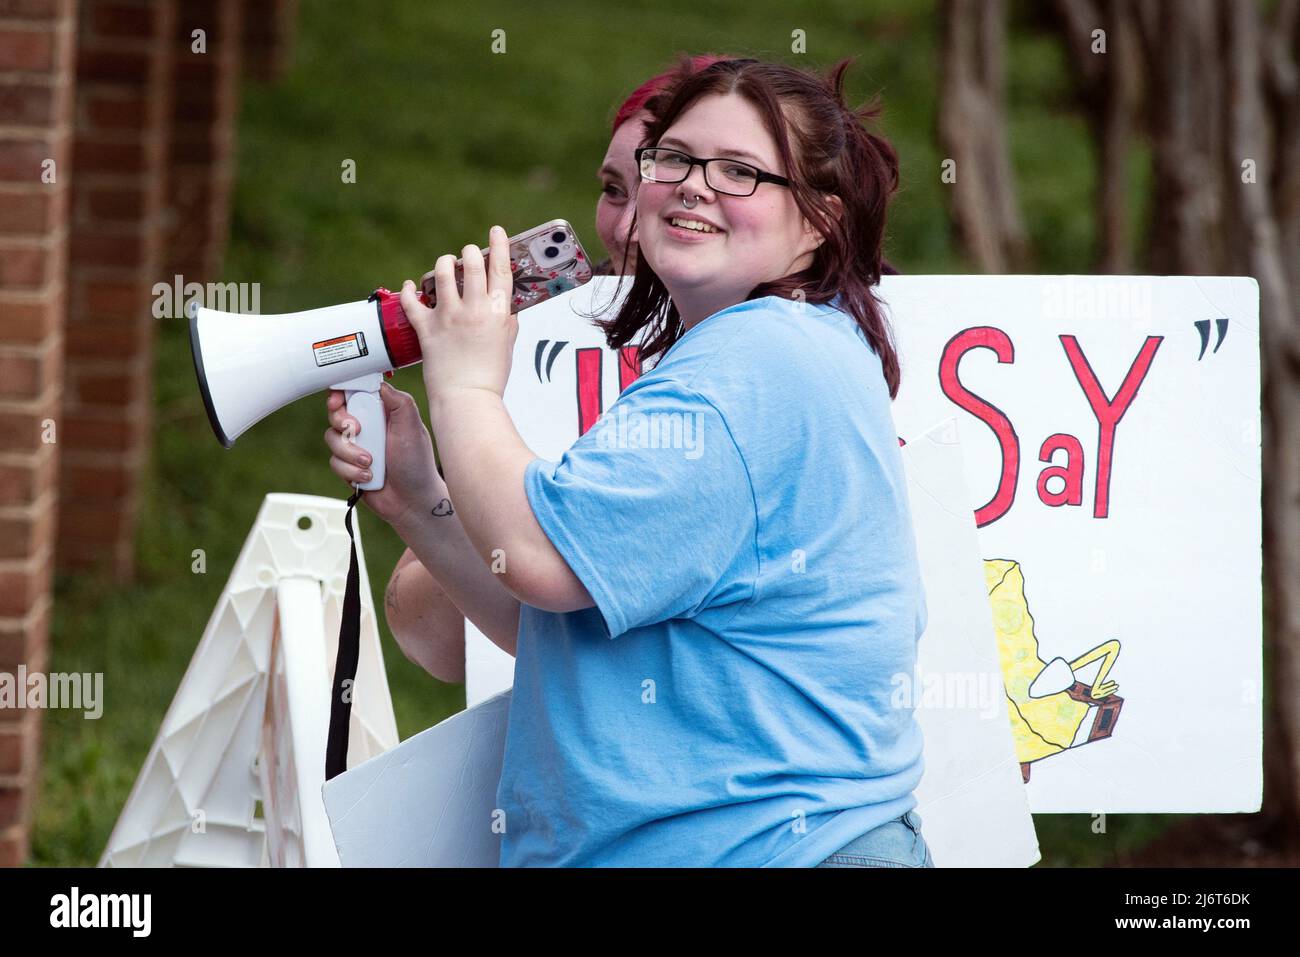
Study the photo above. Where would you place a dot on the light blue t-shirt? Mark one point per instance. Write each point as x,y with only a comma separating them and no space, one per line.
740,518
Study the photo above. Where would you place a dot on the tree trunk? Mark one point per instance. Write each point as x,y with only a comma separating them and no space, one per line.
1222,87
1109,89
1263,225
972,132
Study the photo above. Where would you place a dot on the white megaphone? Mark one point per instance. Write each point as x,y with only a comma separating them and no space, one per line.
248,366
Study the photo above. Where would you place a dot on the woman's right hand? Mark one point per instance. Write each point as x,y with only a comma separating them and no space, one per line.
411,482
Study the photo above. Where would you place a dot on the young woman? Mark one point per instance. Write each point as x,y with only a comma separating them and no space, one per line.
715,590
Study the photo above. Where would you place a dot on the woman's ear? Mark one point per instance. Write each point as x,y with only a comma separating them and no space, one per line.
836,204
837,211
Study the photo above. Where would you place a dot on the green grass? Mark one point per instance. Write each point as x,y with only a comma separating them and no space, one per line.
448,139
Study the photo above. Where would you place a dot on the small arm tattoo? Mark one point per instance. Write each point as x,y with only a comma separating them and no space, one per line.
443,508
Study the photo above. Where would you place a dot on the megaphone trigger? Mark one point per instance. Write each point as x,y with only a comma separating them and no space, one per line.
365,405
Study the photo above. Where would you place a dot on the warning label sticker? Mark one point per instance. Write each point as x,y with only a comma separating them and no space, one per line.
340,349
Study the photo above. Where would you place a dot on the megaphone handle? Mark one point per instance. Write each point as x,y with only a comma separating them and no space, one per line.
368,409
365,405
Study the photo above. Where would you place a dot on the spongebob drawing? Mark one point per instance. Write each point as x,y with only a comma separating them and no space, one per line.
1050,709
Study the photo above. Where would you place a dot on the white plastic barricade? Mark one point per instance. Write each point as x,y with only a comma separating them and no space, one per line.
233,778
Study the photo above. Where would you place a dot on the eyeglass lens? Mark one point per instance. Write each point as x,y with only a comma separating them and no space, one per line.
722,175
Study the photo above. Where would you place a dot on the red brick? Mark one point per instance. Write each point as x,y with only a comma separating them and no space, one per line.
20,746
20,376
25,641
196,76
85,433
120,203
111,390
21,586
23,427
121,20
27,211
99,155
26,104
37,659
106,249
20,160
197,151
25,480
198,109
117,112
106,338
113,65
18,741
27,322
95,481
29,375
14,801
26,50
28,531
24,267
13,847
116,299
35,9
103,522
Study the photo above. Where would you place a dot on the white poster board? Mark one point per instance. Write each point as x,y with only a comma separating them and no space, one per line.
1111,428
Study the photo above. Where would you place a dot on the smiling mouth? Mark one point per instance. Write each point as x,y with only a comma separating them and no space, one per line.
694,226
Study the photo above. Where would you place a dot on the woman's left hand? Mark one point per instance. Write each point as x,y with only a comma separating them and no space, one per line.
467,339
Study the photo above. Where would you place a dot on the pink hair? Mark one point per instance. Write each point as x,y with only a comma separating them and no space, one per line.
635,103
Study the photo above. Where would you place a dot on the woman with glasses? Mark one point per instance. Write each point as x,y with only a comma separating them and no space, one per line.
715,590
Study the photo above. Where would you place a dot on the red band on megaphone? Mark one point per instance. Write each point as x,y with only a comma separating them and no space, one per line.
399,335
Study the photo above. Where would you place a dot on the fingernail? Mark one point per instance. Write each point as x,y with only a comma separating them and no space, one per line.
365,476
364,460
498,231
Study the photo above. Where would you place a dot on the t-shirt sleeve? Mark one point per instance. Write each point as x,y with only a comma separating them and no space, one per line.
652,507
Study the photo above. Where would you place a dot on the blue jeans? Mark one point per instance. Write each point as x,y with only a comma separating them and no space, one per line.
896,843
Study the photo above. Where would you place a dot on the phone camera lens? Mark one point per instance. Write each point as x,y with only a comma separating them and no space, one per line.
551,252
558,236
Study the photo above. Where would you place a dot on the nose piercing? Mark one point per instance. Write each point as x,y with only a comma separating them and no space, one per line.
690,205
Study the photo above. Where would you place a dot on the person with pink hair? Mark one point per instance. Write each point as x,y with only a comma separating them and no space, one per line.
426,624
619,176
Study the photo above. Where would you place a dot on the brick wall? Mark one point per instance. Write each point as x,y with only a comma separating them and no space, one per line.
140,129
122,120
36,87
203,133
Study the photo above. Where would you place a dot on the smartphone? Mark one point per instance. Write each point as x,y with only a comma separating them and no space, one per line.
545,261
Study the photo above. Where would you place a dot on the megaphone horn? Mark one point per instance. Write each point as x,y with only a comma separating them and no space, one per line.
248,366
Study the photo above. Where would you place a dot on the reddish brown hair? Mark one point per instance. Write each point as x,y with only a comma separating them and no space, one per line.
825,149
637,99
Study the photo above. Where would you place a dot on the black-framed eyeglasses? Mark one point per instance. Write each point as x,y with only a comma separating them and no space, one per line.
722,174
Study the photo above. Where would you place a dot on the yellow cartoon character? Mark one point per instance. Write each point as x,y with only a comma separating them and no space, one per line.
1050,709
